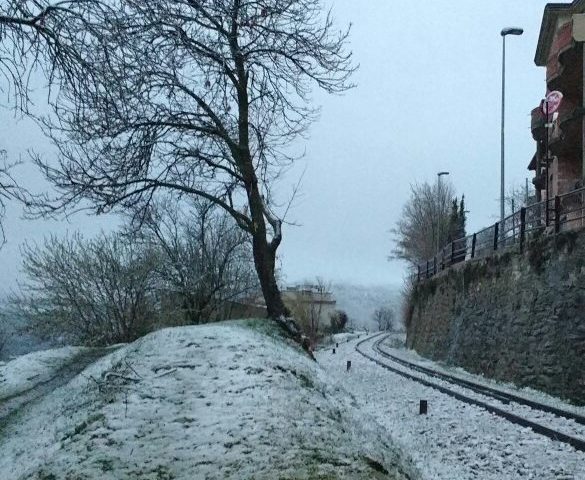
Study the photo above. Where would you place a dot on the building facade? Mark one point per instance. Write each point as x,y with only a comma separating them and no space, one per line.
558,162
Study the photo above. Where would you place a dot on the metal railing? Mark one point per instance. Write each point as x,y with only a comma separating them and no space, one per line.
563,212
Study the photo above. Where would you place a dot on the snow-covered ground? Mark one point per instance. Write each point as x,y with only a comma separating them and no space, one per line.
331,340
454,441
222,401
26,371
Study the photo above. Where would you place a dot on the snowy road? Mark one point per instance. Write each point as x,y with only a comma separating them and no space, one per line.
454,441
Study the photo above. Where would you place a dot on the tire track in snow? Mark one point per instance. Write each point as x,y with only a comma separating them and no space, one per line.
10,406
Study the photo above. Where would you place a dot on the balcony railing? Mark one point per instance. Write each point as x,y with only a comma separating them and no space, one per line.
563,212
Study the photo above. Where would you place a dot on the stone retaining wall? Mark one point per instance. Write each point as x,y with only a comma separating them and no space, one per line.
513,317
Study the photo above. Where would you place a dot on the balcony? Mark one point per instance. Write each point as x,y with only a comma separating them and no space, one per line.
537,122
539,181
533,162
565,136
564,66
562,42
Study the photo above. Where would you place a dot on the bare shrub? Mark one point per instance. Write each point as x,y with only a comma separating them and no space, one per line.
307,306
339,320
425,222
93,292
407,301
385,318
204,261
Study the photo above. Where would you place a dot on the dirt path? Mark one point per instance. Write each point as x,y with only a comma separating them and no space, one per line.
10,406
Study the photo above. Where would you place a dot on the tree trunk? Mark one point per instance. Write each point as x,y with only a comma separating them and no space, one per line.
264,251
264,254
264,261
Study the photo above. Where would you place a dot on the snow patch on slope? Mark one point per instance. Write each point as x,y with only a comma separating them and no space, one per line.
26,371
221,401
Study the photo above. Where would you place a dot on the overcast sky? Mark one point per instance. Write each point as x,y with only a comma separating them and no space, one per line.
428,99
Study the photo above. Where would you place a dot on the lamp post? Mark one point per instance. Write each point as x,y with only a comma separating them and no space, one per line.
504,33
439,175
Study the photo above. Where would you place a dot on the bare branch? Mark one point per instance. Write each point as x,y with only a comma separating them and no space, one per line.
196,98
9,190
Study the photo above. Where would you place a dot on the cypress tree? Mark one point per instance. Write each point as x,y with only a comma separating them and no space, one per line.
462,218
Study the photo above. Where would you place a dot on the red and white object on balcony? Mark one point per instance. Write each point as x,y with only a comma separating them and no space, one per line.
552,102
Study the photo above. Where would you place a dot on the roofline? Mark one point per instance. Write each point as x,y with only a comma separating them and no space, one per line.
551,12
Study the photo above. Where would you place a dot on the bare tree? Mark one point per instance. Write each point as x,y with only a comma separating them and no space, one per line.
48,36
351,324
40,35
199,98
385,318
424,223
205,259
515,198
8,190
94,292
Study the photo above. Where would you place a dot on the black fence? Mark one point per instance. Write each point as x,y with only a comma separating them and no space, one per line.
563,212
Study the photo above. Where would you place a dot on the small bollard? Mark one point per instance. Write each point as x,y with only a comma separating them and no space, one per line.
423,407
337,345
348,365
333,351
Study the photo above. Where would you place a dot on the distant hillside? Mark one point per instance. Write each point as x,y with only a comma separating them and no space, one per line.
360,301
13,340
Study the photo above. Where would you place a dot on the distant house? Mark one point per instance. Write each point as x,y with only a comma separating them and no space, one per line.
310,302
315,300
560,50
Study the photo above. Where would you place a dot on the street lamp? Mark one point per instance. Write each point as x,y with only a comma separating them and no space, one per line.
439,175
504,33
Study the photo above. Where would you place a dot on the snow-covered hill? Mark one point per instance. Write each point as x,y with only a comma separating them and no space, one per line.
222,401
360,302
